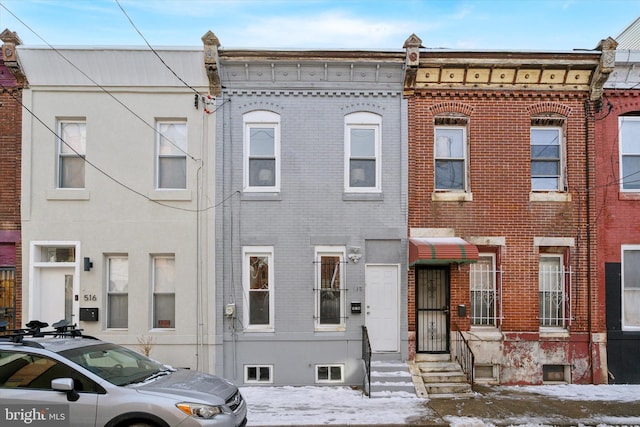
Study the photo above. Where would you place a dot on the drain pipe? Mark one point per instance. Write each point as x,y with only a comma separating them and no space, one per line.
588,236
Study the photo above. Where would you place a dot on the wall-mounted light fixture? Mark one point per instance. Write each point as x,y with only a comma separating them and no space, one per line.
354,254
88,265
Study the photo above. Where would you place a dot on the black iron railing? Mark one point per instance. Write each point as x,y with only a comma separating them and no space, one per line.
366,360
464,355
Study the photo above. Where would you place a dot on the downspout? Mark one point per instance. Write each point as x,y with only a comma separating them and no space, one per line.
588,236
605,67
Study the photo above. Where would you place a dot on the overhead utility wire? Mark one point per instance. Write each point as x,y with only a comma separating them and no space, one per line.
153,50
98,84
34,115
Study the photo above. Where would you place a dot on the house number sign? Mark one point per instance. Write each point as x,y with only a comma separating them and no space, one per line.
90,297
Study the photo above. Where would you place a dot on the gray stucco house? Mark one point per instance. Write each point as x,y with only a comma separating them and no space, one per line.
311,202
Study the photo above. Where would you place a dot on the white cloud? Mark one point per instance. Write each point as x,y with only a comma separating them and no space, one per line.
327,29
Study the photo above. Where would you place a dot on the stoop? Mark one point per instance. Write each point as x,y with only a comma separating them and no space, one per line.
391,377
441,377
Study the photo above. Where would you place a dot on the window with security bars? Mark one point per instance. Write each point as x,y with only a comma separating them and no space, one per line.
554,291
8,295
329,289
484,291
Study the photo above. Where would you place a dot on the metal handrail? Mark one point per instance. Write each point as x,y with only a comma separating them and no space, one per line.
464,355
366,359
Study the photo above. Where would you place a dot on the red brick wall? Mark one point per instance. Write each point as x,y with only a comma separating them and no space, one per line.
499,134
10,157
613,209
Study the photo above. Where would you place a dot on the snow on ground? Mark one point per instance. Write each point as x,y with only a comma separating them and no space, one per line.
299,406
605,393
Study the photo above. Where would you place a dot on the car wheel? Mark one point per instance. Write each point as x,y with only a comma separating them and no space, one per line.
141,424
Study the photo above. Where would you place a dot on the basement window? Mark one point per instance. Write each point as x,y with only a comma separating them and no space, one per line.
329,374
555,374
485,373
258,374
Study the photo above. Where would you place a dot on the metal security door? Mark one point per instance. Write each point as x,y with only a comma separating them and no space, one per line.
432,310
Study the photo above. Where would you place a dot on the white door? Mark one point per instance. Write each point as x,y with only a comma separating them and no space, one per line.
53,298
382,308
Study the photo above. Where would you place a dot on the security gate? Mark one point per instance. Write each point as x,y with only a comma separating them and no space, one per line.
432,309
8,295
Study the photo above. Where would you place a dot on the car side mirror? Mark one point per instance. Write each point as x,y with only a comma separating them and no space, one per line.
65,384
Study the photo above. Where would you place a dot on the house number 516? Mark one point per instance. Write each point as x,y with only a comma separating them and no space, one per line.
90,297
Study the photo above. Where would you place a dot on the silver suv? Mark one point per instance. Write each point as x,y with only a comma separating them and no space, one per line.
61,377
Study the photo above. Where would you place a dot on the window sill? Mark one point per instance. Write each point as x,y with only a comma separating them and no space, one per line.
257,331
323,329
486,333
550,196
68,194
548,332
169,195
249,196
362,197
451,196
628,196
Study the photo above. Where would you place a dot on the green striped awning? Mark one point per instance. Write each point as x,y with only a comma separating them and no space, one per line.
441,250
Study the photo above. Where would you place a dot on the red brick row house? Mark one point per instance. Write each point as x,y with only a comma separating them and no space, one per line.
617,203
501,220
10,148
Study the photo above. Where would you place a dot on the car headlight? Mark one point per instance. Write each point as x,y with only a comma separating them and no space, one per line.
199,410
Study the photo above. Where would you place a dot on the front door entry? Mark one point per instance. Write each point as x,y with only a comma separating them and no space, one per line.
54,296
381,315
432,309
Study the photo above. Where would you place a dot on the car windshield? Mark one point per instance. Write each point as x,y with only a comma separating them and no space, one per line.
116,364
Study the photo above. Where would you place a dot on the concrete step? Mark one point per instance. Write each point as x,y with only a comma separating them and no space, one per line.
440,377
391,378
444,377
447,388
439,367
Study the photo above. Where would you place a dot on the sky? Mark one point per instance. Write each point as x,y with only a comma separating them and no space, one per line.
545,25
300,406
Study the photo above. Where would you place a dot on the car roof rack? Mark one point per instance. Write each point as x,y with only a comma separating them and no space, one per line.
34,329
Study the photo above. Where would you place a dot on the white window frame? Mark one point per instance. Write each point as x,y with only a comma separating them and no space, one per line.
260,119
178,151
154,280
366,121
330,251
259,379
625,327
489,293
329,368
67,149
464,158
110,293
247,253
560,159
562,322
624,122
